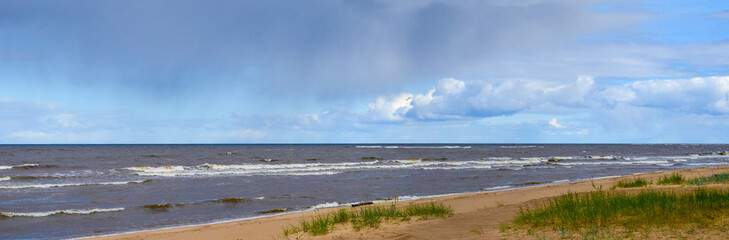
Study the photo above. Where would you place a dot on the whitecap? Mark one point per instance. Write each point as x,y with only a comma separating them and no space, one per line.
156,169
4,178
497,188
69,211
54,185
325,205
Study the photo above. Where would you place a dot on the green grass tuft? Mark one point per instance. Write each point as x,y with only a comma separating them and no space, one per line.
597,210
631,184
369,217
716,178
675,179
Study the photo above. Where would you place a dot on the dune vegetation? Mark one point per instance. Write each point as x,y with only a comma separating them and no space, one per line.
616,215
369,217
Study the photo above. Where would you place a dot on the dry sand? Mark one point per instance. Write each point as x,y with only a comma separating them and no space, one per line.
477,215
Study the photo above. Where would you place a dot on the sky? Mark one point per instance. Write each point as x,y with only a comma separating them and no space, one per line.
369,71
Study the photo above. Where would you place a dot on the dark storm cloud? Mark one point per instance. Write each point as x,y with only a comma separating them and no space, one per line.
302,49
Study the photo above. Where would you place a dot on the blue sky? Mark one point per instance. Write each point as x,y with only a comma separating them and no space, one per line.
525,71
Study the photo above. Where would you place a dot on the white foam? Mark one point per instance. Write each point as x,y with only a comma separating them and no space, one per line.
4,178
368,146
707,164
325,205
19,166
311,173
456,168
208,169
156,169
561,181
53,185
497,188
259,198
602,157
69,211
612,163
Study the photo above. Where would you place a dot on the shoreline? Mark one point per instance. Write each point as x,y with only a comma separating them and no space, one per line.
348,205
271,226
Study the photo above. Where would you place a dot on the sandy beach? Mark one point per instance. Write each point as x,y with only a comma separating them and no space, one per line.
477,215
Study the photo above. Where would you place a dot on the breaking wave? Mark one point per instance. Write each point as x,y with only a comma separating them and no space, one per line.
54,185
69,211
25,166
415,147
308,169
497,188
313,169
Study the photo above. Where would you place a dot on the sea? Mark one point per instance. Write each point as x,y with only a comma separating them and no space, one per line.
72,191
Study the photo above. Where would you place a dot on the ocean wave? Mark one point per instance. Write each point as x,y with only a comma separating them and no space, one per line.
499,158
4,179
68,211
325,205
54,185
707,164
601,157
308,169
529,146
649,162
25,166
416,147
228,200
156,169
497,188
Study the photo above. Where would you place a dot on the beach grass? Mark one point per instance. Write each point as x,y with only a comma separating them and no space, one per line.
716,178
631,183
369,217
592,212
674,179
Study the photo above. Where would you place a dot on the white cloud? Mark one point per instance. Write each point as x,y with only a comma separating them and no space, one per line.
391,108
457,99
29,134
555,124
695,95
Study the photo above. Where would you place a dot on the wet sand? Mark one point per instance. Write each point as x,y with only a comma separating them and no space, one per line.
477,215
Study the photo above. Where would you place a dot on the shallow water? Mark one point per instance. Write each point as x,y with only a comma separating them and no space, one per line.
63,191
